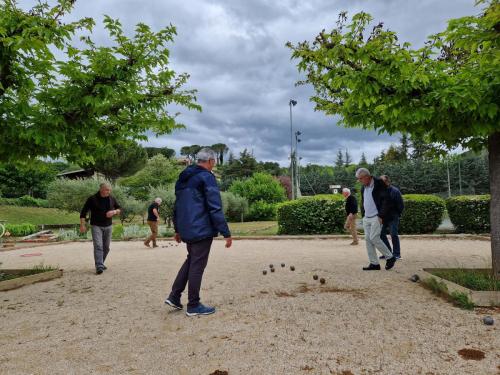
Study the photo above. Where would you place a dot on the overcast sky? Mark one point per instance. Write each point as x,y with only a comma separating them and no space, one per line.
236,55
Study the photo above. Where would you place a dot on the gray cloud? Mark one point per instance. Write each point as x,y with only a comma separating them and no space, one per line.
235,53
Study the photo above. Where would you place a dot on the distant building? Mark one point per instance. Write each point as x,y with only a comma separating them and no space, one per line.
78,174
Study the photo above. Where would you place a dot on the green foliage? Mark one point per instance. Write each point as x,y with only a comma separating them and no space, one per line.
24,201
322,214
59,99
21,230
37,215
165,151
262,211
220,149
70,195
118,231
235,207
269,167
120,160
462,300
475,279
422,214
167,194
316,179
259,187
30,178
444,92
159,171
237,169
470,213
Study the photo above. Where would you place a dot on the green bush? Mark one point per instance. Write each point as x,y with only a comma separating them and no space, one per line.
422,214
20,230
24,201
262,211
118,232
259,187
470,213
235,207
322,214
167,195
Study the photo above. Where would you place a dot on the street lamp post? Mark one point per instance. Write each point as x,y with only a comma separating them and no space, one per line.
292,103
297,161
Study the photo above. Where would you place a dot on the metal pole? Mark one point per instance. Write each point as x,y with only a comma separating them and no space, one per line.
448,172
297,175
291,153
459,178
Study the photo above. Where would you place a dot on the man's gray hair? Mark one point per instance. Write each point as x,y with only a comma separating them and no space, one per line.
206,154
158,200
104,184
362,172
346,190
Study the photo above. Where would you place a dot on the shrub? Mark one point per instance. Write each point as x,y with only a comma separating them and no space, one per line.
312,215
235,207
167,195
470,213
20,230
25,201
259,187
118,231
262,211
422,213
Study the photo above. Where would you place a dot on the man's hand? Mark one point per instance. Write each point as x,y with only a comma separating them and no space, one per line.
110,214
177,238
229,242
380,220
82,228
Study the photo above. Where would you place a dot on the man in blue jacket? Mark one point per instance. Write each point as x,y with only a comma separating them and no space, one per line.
198,218
391,224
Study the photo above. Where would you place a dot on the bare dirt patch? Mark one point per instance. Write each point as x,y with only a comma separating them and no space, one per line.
471,354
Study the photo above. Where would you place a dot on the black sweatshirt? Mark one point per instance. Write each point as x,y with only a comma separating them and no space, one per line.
351,205
98,206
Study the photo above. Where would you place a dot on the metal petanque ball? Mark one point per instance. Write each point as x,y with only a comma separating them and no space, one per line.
272,269
315,277
264,272
414,278
488,320
282,264
292,268
322,281
271,266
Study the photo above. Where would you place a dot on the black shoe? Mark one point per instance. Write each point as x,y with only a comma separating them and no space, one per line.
99,271
381,257
390,263
372,267
104,268
173,303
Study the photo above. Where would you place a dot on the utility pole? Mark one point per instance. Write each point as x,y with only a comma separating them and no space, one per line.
292,103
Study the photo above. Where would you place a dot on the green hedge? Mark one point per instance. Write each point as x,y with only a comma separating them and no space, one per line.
422,214
261,211
470,213
24,201
321,214
20,230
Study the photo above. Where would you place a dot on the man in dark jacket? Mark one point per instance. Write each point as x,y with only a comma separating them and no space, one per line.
351,210
153,218
198,218
391,224
375,207
102,207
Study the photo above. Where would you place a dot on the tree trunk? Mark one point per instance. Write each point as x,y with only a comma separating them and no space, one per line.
494,159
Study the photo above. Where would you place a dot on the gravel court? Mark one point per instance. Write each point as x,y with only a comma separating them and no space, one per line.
281,323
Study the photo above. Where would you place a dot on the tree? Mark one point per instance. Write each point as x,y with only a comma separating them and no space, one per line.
121,160
72,102
191,151
269,167
165,151
235,169
221,149
445,92
363,162
404,146
339,161
348,159
421,150
31,178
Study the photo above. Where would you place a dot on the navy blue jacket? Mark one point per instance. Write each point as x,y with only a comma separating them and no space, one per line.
396,199
198,207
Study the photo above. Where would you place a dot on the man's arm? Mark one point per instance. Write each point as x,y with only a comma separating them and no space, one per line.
83,215
214,204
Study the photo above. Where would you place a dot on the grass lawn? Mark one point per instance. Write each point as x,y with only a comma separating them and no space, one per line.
254,228
478,279
37,215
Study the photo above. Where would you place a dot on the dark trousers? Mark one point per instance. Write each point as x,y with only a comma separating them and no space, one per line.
392,227
192,272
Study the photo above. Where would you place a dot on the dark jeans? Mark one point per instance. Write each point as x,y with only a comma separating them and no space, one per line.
392,227
192,271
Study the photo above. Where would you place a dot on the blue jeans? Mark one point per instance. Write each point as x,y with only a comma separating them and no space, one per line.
392,227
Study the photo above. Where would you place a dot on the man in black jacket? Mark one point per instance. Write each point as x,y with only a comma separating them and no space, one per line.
375,206
351,210
391,224
102,207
